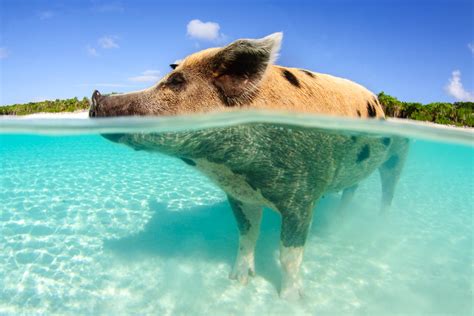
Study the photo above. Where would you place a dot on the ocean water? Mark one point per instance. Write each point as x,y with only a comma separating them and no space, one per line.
88,226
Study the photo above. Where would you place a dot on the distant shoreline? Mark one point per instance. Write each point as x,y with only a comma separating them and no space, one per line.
459,114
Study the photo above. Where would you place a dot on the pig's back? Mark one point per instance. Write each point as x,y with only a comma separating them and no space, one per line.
300,90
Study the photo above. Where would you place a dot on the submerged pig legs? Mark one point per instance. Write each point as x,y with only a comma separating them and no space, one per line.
248,217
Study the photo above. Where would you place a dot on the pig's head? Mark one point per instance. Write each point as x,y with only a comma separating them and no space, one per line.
210,80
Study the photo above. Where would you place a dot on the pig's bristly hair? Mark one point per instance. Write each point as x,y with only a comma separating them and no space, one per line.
273,41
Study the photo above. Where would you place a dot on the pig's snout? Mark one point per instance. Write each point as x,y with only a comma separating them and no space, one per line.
95,101
114,105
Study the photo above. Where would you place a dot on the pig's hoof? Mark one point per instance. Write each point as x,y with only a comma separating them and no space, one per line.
293,292
241,272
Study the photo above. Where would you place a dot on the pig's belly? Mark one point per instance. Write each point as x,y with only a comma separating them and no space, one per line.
234,184
349,172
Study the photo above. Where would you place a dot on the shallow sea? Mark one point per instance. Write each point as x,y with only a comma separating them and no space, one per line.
88,226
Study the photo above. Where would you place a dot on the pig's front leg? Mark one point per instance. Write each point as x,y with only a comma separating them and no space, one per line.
294,231
248,217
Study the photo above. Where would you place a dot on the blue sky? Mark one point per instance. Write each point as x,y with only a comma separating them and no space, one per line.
415,50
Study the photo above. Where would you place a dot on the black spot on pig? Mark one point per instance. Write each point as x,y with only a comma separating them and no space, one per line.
371,111
188,161
291,78
386,141
309,73
363,154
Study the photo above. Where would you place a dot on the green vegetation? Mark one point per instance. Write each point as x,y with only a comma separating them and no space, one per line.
458,113
68,105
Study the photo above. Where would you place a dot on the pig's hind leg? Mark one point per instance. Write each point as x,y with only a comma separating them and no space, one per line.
346,199
391,169
248,217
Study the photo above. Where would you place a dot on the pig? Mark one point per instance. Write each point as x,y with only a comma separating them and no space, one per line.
282,167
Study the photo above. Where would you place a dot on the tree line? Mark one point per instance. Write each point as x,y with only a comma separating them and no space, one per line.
457,113
53,106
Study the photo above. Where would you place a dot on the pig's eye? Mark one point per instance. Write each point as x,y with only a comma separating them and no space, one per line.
175,80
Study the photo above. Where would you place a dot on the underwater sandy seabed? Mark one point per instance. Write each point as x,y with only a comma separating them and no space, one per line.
88,226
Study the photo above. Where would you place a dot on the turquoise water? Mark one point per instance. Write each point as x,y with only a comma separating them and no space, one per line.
90,226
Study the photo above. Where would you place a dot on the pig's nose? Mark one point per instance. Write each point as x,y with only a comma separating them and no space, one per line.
95,103
95,96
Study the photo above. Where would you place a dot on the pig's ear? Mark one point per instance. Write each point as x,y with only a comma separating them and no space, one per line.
239,67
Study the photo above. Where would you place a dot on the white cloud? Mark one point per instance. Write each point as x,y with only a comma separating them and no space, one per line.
105,42
44,15
91,51
471,47
147,76
203,30
4,53
108,42
455,88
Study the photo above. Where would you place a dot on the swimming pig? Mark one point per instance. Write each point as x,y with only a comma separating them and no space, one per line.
285,168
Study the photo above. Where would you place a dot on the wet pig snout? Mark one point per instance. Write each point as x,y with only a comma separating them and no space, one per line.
95,101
